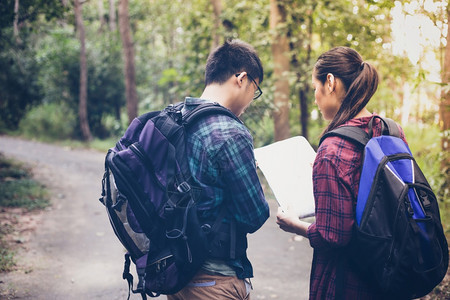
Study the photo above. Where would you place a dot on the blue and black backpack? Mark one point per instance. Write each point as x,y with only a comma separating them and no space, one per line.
398,243
151,200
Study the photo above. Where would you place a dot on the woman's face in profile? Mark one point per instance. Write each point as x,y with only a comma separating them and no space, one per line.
325,98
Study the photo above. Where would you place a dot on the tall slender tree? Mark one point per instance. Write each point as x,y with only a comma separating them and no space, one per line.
280,50
101,14
444,108
112,15
128,57
217,9
82,101
300,46
16,21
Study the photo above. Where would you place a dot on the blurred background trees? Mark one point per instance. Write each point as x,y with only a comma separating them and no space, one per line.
143,55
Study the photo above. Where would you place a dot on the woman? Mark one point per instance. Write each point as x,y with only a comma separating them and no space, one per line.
343,85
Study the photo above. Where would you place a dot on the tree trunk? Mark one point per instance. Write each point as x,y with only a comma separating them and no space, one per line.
101,14
82,101
217,8
112,15
304,111
444,107
16,22
304,114
113,40
280,50
128,55
304,87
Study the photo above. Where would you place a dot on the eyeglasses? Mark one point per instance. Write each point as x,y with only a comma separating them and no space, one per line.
258,91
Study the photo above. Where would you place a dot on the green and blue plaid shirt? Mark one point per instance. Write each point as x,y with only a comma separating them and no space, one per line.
221,159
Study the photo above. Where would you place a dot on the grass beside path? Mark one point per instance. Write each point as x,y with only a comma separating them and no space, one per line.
19,194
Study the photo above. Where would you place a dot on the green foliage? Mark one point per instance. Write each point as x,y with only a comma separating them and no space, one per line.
18,83
25,193
103,145
49,121
106,88
18,189
424,142
59,70
58,56
29,11
19,86
7,261
114,125
261,129
170,76
172,40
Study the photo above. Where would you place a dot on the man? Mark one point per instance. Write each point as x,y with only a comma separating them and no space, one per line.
220,153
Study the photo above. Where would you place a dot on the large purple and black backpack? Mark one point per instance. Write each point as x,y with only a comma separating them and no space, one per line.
151,200
398,242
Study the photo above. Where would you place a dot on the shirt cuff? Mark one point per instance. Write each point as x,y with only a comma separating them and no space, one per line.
315,238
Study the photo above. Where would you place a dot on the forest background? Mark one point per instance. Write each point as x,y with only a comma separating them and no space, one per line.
81,70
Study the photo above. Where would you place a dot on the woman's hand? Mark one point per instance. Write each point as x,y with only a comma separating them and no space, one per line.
291,223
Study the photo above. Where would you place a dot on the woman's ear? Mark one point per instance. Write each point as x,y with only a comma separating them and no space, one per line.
331,82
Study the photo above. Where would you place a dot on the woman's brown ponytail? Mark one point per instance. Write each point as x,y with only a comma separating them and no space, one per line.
360,80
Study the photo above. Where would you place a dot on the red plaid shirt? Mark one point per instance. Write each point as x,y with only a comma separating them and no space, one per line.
336,174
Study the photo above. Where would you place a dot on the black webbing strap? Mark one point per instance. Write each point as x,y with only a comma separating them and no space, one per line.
388,127
216,225
359,136
206,109
352,133
127,275
129,278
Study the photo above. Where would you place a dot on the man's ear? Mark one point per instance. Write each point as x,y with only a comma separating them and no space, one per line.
240,78
331,82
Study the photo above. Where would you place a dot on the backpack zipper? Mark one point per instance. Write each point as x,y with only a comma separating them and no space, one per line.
160,264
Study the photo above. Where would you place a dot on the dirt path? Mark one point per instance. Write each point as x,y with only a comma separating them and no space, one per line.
73,253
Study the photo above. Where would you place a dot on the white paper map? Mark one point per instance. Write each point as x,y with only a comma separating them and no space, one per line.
287,167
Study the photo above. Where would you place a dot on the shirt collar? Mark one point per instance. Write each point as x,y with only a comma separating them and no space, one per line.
194,101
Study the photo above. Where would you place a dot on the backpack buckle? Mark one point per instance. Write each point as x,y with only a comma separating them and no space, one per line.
184,187
424,199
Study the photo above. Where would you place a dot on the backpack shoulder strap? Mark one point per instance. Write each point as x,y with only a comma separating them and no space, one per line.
204,109
147,116
352,133
190,118
359,136
388,127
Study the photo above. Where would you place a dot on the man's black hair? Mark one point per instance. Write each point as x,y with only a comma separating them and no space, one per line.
233,57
